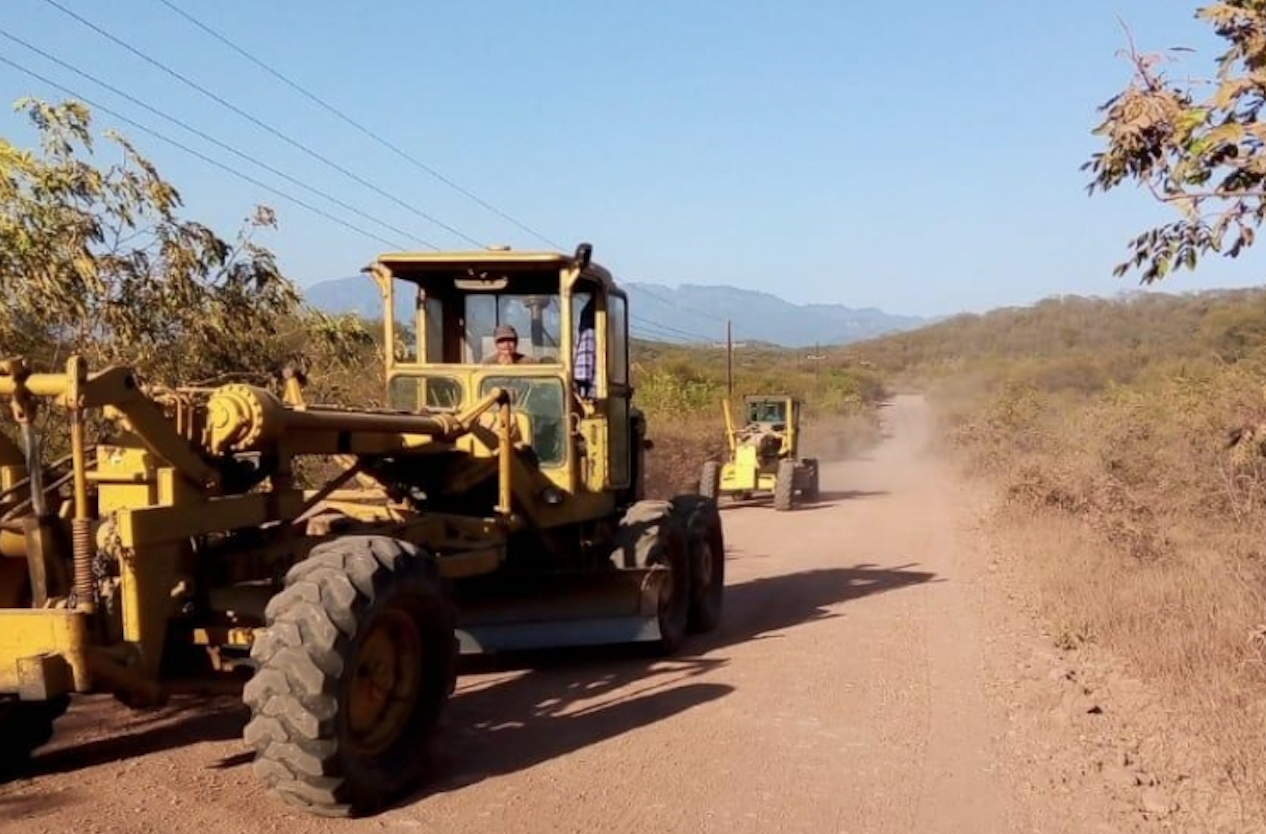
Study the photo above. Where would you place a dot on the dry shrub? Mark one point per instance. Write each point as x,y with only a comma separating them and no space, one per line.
1132,463
1145,533
682,444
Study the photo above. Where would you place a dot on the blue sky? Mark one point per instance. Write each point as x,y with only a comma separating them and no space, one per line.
823,151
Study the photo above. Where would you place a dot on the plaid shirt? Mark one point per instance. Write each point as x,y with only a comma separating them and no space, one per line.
585,367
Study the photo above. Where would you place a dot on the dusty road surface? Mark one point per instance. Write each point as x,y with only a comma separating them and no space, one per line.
867,678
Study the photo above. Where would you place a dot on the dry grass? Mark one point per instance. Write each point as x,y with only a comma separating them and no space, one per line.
1145,535
1190,623
681,447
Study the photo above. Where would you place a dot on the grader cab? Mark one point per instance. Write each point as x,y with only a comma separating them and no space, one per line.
172,546
764,455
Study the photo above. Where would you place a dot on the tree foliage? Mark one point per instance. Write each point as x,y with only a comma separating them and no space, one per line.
1196,144
97,260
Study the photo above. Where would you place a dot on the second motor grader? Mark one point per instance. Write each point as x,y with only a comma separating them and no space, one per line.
764,455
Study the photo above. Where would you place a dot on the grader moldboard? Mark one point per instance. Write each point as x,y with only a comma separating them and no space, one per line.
489,507
764,455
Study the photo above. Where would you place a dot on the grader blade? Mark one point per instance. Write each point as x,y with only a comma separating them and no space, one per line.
545,613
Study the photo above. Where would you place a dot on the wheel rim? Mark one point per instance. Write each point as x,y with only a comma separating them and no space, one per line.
386,681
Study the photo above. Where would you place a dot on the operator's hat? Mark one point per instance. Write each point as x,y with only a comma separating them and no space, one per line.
505,331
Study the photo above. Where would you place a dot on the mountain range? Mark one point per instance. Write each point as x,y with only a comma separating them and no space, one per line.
689,312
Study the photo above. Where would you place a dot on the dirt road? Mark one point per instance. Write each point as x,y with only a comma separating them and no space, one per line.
857,685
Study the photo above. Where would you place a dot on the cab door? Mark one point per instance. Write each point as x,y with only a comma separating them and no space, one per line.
619,392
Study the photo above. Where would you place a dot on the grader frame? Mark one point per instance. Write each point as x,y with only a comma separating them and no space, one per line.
175,549
764,455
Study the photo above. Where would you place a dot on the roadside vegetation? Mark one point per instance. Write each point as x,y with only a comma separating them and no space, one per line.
1123,439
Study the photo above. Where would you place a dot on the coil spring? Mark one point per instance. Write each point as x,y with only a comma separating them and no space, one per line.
82,548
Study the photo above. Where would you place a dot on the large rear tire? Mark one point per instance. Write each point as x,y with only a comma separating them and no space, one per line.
353,672
706,548
812,492
26,726
653,534
785,485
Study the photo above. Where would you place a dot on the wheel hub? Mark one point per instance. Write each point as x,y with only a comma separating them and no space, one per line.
385,682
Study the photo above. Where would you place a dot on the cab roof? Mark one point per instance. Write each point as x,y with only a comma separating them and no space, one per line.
767,398
402,264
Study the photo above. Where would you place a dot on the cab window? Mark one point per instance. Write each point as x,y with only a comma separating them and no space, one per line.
766,412
541,399
535,318
617,340
424,392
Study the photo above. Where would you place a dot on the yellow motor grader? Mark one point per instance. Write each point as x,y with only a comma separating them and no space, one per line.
764,455
487,507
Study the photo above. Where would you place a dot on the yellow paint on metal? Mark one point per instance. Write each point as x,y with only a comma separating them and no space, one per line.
27,633
235,637
505,458
729,424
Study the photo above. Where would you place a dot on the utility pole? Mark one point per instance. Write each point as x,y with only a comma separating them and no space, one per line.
729,359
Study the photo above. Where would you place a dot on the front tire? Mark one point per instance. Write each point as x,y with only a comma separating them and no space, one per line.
653,534
354,668
706,547
785,485
812,491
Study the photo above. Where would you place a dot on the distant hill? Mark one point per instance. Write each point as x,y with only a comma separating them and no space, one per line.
1088,338
690,312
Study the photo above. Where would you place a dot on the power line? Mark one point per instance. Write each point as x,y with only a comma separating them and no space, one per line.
653,329
247,177
224,39
300,146
673,332
652,336
676,304
294,85
195,131
678,331
258,122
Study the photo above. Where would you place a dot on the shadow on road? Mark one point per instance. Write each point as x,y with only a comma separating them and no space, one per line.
557,702
825,499
849,494
528,708
127,734
558,708
756,609
184,720
757,503
21,806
